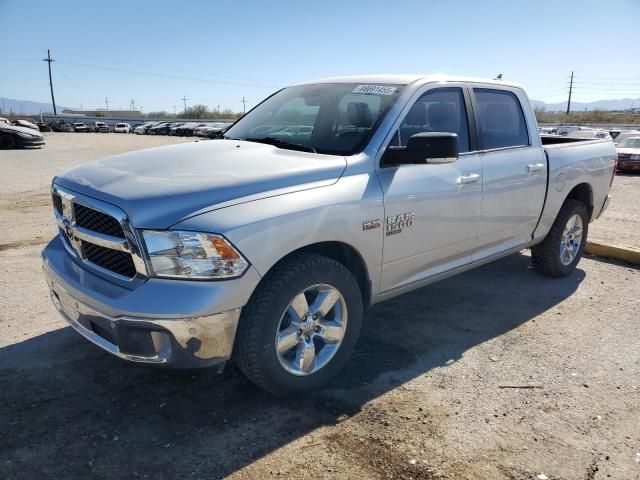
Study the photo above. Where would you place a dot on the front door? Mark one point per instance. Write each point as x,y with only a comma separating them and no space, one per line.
431,211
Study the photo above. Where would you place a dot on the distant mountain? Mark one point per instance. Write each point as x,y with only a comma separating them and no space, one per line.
622,104
26,107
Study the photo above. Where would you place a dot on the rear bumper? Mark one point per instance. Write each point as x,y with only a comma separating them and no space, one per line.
628,166
165,322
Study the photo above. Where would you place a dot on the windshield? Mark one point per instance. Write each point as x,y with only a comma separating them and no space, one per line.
331,118
629,143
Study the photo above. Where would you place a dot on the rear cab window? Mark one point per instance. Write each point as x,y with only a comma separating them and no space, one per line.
501,118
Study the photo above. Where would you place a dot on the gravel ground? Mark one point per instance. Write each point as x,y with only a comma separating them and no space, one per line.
498,373
620,224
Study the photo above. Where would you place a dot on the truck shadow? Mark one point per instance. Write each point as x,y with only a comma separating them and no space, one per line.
69,410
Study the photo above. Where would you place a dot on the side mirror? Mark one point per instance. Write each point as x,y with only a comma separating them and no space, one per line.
426,147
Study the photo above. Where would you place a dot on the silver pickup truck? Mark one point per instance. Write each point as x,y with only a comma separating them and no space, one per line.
268,245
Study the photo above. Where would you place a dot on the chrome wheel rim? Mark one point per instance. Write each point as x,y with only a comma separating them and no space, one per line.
571,240
311,329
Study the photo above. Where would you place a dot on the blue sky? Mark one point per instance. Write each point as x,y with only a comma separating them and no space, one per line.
217,52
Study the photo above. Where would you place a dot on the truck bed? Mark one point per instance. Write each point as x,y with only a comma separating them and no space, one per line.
560,140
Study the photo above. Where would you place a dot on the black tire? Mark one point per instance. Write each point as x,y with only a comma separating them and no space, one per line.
7,141
255,350
546,255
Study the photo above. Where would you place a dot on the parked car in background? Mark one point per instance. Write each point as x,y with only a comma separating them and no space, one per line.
212,130
218,132
153,130
99,127
622,134
43,126
163,128
188,254
629,153
4,120
80,127
200,131
25,123
61,126
122,128
142,129
187,129
13,136
174,130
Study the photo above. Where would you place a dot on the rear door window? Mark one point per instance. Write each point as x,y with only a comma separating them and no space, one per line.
501,119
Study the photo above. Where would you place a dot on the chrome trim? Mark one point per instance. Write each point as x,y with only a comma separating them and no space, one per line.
107,241
76,234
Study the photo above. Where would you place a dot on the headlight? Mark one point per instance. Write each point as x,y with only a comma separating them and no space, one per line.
25,135
197,255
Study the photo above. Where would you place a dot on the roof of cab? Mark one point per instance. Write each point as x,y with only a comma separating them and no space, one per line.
407,79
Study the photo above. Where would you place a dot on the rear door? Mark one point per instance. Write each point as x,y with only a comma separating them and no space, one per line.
514,169
432,211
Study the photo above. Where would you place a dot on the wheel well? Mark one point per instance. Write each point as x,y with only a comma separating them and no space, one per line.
583,193
347,256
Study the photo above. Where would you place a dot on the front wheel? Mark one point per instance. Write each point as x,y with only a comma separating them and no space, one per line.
300,326
559,253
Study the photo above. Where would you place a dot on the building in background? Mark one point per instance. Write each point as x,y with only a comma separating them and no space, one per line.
135,114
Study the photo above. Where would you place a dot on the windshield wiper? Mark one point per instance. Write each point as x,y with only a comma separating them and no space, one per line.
278,142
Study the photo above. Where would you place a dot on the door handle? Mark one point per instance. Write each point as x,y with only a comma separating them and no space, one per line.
536,167
471,178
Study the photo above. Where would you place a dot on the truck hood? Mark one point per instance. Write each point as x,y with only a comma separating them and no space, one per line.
161,186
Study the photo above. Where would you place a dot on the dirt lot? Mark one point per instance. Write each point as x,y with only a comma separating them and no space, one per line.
498,373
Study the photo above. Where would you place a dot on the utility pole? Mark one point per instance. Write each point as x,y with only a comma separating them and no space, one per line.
106,100
570,91
184,99
49,60
133,104
244,106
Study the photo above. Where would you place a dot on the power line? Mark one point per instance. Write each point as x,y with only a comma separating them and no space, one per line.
160,75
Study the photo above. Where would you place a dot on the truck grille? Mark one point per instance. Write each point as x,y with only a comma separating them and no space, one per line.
57,202
113,260
94,232
97,221
624,157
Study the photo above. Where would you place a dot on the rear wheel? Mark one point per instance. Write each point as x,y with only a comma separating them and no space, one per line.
559,253
300,326
7,141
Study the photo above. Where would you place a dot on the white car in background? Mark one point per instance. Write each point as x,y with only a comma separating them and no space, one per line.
142,129
122,128
621,135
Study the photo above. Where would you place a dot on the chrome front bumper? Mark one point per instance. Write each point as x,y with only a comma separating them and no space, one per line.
158,322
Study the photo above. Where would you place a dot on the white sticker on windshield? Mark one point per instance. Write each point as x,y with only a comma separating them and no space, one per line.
375,89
